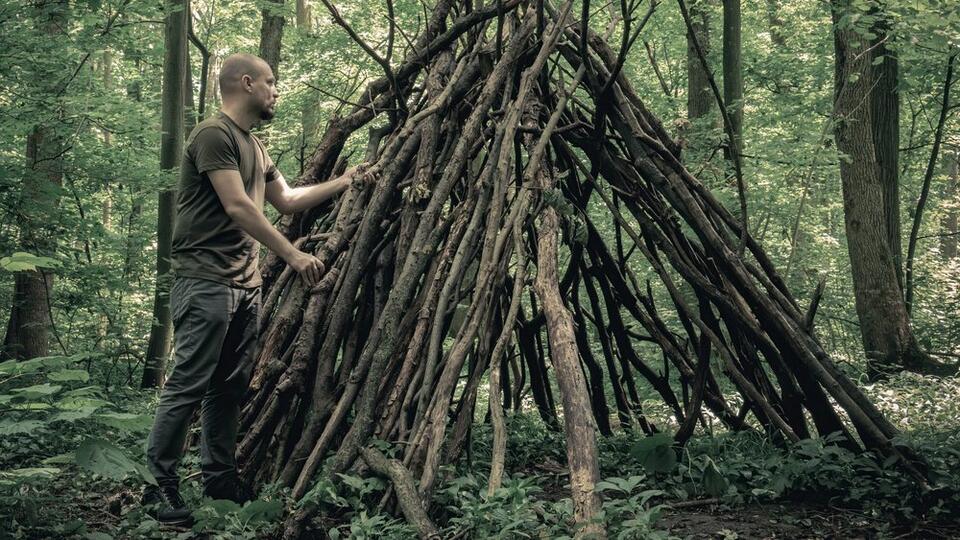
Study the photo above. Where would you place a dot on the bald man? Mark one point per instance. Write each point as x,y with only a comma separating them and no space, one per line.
225,175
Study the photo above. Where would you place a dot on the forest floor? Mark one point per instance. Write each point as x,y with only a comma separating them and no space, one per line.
724,486
793,521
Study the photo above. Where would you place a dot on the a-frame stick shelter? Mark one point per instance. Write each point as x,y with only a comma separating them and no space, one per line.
474,258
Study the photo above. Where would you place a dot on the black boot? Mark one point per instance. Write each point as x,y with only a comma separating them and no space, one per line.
231,489
168,506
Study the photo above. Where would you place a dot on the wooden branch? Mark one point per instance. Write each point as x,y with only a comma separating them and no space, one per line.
204,66
407,497
814,303
626,43
927,178
384,62
656,69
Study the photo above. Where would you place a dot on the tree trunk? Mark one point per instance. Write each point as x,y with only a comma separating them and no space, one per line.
212,99
699,100
887,336
950,233
108,87
304,15
271,32
775,21
310,114
885,111
733,74
189,108
28,330
171,150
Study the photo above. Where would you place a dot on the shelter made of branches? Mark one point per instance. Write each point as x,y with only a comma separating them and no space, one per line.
499,128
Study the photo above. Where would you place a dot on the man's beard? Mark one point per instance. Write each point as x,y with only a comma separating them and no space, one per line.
266,114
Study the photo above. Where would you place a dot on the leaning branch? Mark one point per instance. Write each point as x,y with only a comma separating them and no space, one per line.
927,178
407,496
727,127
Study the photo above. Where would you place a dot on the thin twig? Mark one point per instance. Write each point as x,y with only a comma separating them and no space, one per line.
727,126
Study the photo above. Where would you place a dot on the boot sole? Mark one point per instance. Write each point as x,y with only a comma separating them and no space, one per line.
182,524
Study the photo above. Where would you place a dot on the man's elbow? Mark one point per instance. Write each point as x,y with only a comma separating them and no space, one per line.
285,206
237,211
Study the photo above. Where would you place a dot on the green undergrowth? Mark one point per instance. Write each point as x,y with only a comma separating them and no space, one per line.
71,467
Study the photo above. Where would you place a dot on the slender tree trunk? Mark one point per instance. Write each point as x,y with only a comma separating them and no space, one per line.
885,111
950,239
887,336
171,149
309,115
106,208
271,32
189,107
699,100
108,84
304,14
212,99
28,330
927,180
733,74
776,23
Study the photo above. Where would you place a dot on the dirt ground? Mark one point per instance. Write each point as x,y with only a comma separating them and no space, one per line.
782,521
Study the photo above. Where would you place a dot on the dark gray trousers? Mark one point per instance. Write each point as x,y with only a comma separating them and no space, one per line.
215,335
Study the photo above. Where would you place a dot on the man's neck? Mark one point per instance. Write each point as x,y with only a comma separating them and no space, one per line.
244,119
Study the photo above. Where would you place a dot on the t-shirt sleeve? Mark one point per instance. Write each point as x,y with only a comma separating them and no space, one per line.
213,150
270,170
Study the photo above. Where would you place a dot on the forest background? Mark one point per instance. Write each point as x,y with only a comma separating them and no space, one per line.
85,203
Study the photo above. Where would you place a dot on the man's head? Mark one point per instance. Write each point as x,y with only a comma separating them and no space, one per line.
248,81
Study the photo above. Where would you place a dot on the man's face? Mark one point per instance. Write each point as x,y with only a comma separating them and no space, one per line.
264,93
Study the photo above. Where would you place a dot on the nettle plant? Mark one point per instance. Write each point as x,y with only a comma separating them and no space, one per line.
51,419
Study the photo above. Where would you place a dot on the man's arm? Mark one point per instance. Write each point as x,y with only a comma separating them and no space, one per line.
290,200
242,210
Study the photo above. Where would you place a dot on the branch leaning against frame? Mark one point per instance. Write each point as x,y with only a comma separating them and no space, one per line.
384,62
627,39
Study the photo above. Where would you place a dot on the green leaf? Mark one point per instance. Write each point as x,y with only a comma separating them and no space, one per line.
713,481
655,453
73,416
60,459
222,507
65,375
26,426
30,473
85,392
260,511
21,261
13,367
38,390
106,459
353,481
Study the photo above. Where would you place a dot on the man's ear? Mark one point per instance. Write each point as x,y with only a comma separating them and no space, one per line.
246,81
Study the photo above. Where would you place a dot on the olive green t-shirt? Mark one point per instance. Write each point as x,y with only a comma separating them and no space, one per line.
207,243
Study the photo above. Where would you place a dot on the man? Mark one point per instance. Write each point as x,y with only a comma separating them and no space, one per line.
225,176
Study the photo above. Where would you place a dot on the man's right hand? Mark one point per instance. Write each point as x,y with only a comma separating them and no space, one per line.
309,267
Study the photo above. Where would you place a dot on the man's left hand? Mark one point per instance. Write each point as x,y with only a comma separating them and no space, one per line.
366,173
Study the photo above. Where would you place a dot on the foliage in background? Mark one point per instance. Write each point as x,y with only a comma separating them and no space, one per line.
68,422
